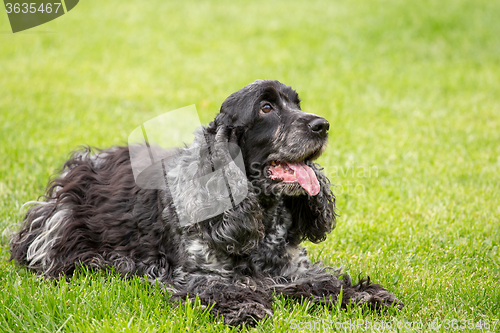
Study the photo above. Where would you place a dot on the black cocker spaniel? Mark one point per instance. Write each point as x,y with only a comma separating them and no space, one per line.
96,214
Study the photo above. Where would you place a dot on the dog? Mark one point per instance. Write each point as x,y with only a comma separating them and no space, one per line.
96,215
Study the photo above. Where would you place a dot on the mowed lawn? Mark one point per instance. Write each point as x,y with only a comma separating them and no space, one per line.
412,93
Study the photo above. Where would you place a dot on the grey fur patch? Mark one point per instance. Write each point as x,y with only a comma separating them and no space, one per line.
39,251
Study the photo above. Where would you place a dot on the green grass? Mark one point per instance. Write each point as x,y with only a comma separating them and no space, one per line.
410,88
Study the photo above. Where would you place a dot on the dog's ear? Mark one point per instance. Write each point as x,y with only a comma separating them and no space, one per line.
314,216
239,229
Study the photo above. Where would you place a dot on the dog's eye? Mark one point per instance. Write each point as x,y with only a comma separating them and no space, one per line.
266,108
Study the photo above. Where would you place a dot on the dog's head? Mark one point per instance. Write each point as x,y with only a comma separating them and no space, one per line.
279,141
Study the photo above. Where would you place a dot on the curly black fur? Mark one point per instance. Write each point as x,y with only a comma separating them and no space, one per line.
95,214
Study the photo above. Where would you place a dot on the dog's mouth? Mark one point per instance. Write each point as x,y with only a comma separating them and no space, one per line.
295,173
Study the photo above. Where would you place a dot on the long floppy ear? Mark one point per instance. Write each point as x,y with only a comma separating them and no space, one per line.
239,229
314,216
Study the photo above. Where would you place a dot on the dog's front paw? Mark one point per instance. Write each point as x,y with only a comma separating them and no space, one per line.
247,313
380,300
374,296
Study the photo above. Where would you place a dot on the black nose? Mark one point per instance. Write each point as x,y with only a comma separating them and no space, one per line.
319,126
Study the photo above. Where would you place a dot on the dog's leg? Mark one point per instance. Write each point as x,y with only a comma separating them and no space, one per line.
374,296
321,286
235,302
326,289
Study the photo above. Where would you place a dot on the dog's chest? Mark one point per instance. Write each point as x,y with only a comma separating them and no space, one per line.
277,222
274,252
270,257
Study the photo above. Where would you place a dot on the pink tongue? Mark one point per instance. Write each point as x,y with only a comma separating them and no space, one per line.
303,174
306,177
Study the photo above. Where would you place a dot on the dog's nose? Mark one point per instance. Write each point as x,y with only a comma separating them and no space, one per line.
319,126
